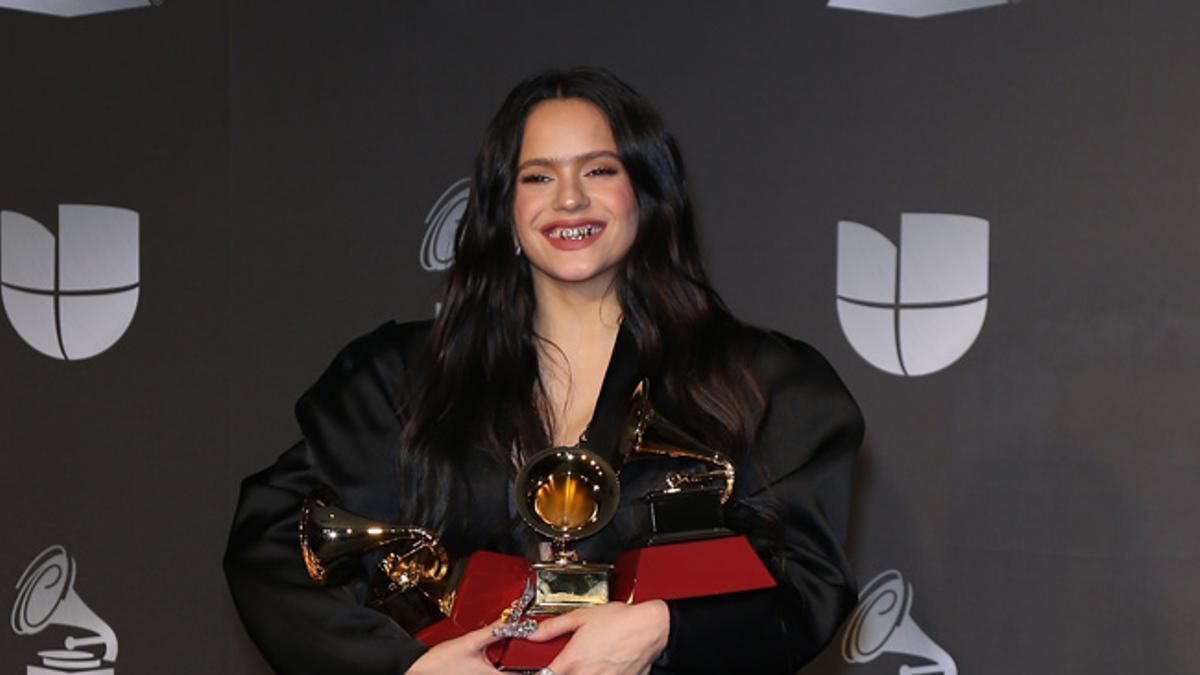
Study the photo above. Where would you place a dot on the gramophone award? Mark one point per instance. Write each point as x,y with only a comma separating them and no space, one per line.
566,494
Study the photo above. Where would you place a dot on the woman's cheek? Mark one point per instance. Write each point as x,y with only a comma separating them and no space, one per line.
627,202
524,208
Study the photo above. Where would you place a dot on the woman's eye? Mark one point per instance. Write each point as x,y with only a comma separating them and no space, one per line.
534,178
603,171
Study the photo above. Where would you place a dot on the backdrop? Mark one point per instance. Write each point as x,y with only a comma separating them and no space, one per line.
986,219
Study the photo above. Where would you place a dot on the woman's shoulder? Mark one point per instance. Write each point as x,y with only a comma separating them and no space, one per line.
385,363
779,360
807,411
392,343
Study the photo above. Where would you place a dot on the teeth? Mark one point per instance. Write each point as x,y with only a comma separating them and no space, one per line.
575,233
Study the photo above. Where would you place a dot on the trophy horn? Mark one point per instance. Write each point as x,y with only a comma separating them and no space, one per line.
647,432
566,493
330,536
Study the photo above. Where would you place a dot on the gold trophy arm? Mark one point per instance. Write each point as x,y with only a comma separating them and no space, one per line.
653,434
677,481
419,560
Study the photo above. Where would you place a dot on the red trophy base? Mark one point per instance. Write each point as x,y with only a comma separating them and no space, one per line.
688,569
492,581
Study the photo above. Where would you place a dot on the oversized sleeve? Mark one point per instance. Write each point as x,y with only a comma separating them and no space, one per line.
791,501
351,431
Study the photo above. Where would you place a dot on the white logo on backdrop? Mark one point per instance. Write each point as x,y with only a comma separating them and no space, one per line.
916,311
441,226
46,596
75,7
70,296
882,623
917,9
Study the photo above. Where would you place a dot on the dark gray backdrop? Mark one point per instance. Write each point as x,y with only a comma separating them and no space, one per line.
1038,494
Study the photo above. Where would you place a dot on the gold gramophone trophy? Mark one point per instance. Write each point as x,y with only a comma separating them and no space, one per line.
414,583
688,507
689,552
566,494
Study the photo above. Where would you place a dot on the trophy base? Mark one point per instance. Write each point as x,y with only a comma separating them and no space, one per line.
561,588
685,515
689,569
491,581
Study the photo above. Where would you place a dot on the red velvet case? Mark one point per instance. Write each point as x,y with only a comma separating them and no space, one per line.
492,581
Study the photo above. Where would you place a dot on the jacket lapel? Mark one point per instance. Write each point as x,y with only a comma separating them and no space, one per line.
624,371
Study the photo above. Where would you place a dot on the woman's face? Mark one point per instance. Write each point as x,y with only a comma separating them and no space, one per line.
575,211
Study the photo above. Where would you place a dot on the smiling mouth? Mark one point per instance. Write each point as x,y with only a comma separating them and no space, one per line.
576,233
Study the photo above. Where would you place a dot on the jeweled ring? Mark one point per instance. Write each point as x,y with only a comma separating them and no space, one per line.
545,671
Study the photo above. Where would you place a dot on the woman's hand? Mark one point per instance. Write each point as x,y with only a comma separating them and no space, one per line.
611,639
460,655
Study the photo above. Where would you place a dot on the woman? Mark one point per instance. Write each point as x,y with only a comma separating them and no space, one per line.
576,274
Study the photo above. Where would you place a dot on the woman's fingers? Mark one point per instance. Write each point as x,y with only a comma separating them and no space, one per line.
615,639
482,637
463,655
559,625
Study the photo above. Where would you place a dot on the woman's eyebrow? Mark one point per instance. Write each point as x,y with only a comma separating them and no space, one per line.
547,161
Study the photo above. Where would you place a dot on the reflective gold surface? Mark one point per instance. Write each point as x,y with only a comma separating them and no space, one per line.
566,493
565,501
331,536
417,584
561,588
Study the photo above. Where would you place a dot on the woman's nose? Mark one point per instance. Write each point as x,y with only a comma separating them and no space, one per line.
571,195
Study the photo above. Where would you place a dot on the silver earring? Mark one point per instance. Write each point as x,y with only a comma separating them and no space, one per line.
516,245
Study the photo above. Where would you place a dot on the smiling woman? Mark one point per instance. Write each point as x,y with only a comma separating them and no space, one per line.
574,212
577,276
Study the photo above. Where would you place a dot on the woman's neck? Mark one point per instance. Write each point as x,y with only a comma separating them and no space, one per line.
569,312
578,325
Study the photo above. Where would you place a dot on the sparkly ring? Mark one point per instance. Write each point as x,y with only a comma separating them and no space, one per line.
545,671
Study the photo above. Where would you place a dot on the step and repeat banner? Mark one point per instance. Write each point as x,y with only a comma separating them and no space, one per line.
986,214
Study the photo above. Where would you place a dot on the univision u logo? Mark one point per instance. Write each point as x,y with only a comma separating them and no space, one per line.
917,310
70,296
918,9
71,8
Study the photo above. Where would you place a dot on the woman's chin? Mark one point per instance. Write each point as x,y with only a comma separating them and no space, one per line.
576,274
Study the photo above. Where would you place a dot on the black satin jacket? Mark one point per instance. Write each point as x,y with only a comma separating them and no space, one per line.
799,471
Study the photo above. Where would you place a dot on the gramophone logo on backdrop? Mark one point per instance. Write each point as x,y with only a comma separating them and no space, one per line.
916,9
73,295
917,310
46,596
69,8
882,624
441,226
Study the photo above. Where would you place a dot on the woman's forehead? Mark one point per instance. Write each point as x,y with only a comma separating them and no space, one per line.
561,129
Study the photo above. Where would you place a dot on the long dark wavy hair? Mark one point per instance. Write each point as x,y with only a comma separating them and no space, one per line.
482,390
